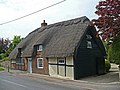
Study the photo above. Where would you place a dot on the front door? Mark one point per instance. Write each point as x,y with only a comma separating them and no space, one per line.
30,65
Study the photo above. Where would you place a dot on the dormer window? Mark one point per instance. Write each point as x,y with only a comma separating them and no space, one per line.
40,48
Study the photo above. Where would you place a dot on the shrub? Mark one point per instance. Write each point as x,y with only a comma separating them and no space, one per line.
107,65
0,65
5,59
114,51
1,69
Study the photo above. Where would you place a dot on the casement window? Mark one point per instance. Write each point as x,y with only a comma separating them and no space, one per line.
61,60
19,61
39,62
40,48
89,44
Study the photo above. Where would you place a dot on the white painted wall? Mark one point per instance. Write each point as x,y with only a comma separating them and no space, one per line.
53,60
69,70
53,68
69,60
62,71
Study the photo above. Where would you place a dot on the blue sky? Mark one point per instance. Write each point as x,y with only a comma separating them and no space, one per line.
12,9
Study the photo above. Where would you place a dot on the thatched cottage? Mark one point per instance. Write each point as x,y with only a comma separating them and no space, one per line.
68,49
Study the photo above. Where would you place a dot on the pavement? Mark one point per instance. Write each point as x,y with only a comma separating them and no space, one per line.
111,77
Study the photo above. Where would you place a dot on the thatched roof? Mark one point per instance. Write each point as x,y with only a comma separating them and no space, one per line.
58,40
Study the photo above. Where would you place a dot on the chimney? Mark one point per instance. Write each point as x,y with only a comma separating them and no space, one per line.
43,24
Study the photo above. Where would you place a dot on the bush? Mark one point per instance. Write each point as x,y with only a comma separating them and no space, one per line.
0,65
5,59
114,51
107,65
1,69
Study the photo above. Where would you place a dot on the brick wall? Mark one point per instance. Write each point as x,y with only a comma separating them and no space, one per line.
43,70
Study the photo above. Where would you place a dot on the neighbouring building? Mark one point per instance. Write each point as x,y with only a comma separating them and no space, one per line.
70,49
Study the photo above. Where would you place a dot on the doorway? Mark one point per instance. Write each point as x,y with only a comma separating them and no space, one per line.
30,65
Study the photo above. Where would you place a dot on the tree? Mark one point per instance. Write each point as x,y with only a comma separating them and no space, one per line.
108,23
6,46
16,40
114,51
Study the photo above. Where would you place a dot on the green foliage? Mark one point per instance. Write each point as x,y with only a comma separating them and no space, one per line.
4,55
15,41
114,51
0,65
1,69
105,45
110,55
5,59
107,65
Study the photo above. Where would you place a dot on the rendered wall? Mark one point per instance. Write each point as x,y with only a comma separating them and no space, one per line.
63,71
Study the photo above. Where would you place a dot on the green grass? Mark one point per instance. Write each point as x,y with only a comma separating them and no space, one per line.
1,69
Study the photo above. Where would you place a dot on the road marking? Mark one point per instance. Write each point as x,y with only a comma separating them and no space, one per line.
13,83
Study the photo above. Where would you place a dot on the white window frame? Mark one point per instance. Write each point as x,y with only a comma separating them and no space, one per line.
39,62
89,44
39,48
61,60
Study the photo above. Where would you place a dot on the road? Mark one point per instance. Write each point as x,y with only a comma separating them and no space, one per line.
19,82
10,81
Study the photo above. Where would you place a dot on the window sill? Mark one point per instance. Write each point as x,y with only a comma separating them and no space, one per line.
40,67
39,50
20,63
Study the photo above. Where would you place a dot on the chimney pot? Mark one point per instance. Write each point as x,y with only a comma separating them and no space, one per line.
43,24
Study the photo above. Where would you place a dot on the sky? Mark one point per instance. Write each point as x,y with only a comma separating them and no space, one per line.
12,9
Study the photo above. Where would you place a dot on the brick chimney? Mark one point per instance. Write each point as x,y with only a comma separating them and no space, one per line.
43,24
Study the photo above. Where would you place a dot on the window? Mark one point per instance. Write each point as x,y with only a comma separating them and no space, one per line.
20,60
39,48
89,44
89,37
40,63
61,61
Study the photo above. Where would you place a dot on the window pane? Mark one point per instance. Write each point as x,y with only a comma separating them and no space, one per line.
61,60
39,48
40,62
89,44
